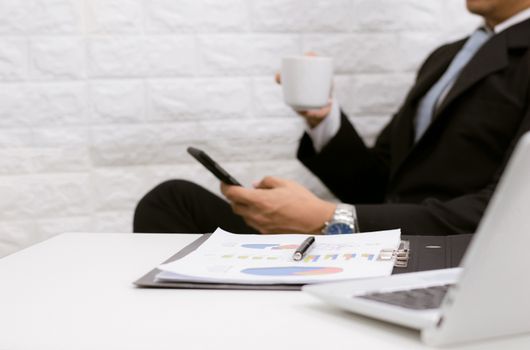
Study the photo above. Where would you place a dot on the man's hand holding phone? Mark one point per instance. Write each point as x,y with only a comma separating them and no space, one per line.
276,205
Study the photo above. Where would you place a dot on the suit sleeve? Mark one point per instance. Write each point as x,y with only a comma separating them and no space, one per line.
354,172
351,170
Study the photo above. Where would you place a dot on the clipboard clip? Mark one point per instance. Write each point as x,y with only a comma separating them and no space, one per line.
400,255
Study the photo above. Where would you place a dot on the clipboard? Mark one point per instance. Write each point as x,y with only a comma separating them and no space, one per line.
434,252
149,279
416,253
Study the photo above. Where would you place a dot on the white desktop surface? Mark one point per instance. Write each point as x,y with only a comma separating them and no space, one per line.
75,291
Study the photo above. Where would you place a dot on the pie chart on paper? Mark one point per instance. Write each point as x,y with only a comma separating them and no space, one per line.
292,271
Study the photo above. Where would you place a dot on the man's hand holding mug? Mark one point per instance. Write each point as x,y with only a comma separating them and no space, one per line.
307,83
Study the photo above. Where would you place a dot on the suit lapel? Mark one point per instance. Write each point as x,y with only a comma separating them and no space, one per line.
433,73
404,125
492,57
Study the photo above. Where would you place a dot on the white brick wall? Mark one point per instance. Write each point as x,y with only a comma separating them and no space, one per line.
99,98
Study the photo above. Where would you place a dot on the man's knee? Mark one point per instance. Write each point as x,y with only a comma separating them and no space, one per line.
164,198
169,192
175,187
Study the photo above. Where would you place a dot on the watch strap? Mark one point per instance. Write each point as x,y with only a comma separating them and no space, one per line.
346,214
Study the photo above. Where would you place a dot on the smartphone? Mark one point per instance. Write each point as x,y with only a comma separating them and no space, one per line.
214,168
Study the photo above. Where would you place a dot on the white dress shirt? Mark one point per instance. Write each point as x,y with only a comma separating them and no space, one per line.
328,128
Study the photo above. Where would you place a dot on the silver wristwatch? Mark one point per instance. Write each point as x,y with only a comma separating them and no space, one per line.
344,220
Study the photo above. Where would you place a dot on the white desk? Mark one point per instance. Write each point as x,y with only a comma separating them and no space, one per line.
74,292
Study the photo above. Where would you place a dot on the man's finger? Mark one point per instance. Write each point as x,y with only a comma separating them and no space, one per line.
278,78
250,214
241,209
269,182
251,217
239,194
318,113
302,113
224,187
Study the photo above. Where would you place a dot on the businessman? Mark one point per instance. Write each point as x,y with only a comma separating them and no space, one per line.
433,168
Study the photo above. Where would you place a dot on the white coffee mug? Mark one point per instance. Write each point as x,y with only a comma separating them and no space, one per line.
306,81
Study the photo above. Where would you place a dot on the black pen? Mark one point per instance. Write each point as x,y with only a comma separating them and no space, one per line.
303,248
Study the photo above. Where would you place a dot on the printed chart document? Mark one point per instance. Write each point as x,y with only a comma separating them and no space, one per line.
267,259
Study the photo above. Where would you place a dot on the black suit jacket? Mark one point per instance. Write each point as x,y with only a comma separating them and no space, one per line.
443,183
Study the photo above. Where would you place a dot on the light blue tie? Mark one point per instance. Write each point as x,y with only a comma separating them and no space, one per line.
427,106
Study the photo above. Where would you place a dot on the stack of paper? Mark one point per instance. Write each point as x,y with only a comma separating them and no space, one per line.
267,259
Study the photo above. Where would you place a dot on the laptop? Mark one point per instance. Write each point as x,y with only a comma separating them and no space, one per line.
488,296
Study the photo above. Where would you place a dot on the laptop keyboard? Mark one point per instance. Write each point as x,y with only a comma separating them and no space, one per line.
417,299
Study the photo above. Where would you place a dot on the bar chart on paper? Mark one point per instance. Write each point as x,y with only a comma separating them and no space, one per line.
312,258
267,259
270,246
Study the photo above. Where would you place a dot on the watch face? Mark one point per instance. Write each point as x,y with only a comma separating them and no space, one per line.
338,228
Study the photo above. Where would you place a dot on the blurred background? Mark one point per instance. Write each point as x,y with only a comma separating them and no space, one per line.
100,98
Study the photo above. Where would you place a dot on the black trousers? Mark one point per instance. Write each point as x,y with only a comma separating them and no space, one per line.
179,206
